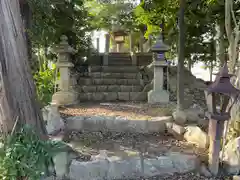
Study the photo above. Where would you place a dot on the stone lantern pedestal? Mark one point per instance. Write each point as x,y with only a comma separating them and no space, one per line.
65,95
158,94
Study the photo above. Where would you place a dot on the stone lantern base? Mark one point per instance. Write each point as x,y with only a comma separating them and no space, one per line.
64,98
160,96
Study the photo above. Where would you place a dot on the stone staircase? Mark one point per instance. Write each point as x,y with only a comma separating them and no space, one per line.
119,81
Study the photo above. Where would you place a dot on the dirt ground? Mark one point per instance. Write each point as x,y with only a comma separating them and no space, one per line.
130,110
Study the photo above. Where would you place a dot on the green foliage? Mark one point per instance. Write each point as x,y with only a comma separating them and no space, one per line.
45,82
25,156
54,18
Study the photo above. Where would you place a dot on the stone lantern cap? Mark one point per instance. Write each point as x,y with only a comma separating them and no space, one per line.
160,46
63,46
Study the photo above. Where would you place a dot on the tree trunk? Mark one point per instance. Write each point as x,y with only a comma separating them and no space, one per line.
18,95
180,72
189,64
220,49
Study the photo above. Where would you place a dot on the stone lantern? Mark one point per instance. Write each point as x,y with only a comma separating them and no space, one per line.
221,92
159,94
65,95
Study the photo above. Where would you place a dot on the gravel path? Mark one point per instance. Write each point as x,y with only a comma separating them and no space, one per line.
188,176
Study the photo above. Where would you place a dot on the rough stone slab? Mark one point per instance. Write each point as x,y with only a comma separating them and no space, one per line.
197,136
102,88
85,81
138,96
230,156
129,88
122,169
158,124
95,74
120,125
75,122
113,88
123,96
98,96
95,123
89,89
109,81
61,164
122,82
115,168
130,75
175,129
133,81
120,69
138,126
85,96
184,163
98,81
111,96
163,164
91,170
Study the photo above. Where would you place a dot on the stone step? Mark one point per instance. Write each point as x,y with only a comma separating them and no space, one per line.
110,81
114,75
119,69
119,54
112,96
114,69
109,88
112,62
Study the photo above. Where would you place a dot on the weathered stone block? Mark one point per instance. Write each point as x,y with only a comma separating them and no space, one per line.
184,163
196,136
139,126
61,164
122,81
123,96
133,82
85,81
89,88
109,81
113,88
75,122
98,81
85,96
158,124
122,169
91,170
126,88
160,96
111,96
98,96
129,75
95,74
102,88
138,96
95,123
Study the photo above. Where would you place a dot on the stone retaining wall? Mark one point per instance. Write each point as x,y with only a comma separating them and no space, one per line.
134,168
117,124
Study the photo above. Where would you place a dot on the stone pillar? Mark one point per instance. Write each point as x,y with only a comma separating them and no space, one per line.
98,45
131,49
158,94
107,47
118,47
66,95
107,43
141,41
